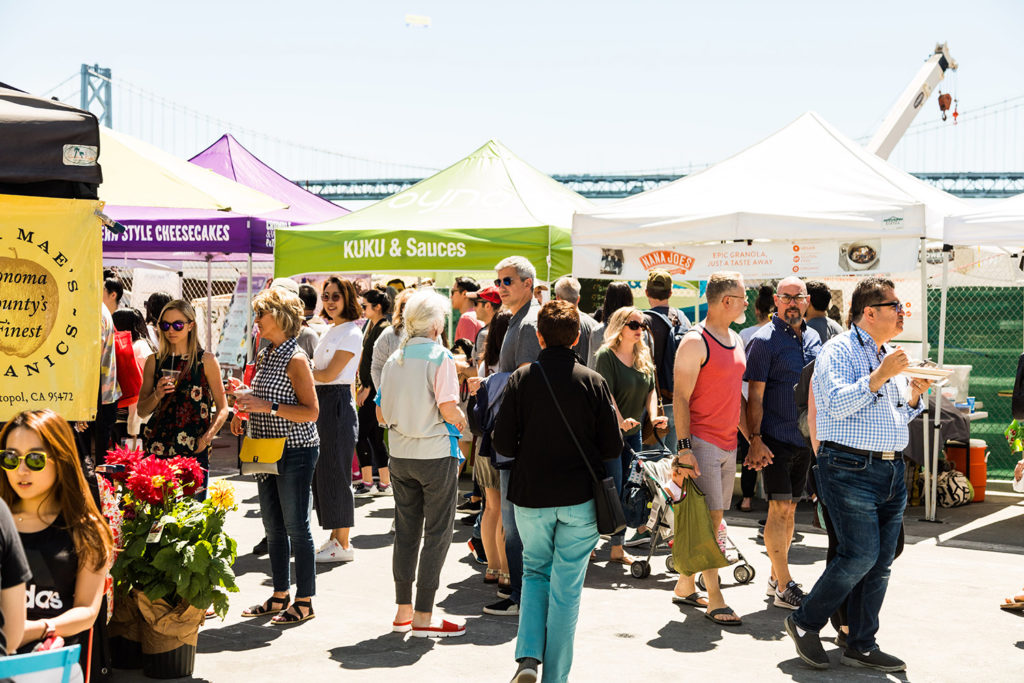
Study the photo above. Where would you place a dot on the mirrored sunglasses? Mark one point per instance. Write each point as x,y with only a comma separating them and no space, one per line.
34,460
178,325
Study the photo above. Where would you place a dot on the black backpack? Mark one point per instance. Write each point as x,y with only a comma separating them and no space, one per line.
1017,402
674,337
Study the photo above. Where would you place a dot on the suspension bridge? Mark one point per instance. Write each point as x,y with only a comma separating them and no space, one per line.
985,138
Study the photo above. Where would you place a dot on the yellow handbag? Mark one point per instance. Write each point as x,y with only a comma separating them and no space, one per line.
260,456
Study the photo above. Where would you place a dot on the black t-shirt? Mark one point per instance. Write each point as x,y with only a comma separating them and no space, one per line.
51,556
13,565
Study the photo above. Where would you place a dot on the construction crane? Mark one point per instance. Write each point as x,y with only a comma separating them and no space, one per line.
910,102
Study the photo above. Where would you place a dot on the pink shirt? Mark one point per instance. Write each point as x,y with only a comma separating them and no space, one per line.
468,326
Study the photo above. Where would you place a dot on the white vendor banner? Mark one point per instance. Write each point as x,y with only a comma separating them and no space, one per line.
757,260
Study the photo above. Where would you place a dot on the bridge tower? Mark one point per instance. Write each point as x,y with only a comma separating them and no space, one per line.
96,88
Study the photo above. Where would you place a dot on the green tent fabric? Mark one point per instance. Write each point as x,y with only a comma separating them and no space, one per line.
467,217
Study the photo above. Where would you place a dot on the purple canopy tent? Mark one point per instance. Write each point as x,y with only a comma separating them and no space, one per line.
203,235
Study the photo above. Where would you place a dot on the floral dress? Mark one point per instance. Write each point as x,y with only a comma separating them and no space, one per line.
184,415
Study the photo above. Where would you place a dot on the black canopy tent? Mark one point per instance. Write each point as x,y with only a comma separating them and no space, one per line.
47,148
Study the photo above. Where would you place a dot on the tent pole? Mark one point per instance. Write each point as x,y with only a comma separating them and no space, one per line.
209,301
248,311
929,510
938,396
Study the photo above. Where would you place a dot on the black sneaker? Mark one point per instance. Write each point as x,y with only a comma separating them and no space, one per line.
477,546
527,671
363,491
468,505
791,597
808,646
503,608
469,520
260,548
876,659
840,639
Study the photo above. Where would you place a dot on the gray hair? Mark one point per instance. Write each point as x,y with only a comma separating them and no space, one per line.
721,282
567,288
425,313
524,269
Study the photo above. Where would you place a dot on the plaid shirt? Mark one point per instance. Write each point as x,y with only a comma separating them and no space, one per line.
849,413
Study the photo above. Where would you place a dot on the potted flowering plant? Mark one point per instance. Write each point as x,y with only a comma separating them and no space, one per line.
175,559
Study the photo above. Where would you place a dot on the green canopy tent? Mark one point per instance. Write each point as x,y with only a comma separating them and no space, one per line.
465,218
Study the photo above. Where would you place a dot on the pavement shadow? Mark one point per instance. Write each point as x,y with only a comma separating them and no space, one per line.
693,634
467,599
388,651
801,672
247,563
382,513
372,541
249,635
765,624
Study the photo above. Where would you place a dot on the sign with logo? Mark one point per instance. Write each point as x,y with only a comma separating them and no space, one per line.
756,260
50,270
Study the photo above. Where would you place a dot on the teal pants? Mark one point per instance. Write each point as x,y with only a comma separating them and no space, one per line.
557,543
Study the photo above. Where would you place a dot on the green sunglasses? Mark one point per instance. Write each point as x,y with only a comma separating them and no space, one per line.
34,460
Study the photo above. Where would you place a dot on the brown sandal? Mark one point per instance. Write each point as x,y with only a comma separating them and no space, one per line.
271,606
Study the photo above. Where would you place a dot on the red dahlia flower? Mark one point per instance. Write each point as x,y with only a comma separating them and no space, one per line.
122,456
150,479
190,474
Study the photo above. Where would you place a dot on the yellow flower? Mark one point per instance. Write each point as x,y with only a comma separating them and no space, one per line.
222,495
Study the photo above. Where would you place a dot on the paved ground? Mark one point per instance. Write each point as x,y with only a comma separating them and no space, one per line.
940,614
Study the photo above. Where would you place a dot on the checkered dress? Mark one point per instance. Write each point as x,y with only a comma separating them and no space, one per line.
271,383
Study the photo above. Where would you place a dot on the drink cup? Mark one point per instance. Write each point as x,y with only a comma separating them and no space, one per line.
970,403
171,375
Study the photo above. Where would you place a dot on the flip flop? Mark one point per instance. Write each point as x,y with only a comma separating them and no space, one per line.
692,599
723,611
1012,605
625,560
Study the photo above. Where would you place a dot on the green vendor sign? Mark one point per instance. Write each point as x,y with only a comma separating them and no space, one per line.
467,217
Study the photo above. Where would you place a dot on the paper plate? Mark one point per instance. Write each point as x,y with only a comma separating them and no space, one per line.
927,373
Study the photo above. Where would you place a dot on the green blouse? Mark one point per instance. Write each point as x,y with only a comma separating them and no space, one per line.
630,388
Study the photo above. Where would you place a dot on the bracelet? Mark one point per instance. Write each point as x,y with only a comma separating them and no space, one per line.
48,628
754,436
683,443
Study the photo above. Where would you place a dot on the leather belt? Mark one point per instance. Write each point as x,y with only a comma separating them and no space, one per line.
884,455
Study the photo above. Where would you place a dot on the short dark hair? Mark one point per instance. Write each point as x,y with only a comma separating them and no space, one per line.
618,295
466,284
869,291
307,293
375,297
821,295
113,285
155,305
558,323
130,320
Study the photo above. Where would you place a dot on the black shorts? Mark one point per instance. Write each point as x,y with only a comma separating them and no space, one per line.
786,477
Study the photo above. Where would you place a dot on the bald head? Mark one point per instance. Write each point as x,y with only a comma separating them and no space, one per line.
791,301
792,280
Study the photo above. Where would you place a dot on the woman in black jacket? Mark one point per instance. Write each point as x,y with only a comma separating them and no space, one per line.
551,486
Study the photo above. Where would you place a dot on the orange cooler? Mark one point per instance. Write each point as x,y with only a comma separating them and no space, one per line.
972,462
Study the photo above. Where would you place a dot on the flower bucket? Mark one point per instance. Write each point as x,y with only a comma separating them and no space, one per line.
125,648
168,636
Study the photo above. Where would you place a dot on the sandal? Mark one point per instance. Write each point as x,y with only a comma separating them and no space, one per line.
723,612
288,618
504,579
694,599
492,576
271,606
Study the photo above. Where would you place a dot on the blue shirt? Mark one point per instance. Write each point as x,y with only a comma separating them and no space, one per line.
849,413
775,356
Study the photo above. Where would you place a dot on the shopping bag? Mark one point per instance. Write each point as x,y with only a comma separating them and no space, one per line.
696,546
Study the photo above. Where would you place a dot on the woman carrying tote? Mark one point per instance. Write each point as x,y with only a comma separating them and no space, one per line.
283,404
419,403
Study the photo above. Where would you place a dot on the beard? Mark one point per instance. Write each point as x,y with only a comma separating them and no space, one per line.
792,315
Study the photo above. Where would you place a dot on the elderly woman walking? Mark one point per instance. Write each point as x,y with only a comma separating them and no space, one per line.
283,403
418,400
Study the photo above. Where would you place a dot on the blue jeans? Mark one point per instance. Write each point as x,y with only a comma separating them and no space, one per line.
285,502
616,469
513,543
865,498
557,543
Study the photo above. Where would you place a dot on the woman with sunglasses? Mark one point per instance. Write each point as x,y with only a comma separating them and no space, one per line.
67,542
335,362
626,363
370,446
181,386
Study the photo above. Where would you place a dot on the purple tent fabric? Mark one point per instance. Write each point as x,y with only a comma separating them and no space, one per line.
233,161
187,234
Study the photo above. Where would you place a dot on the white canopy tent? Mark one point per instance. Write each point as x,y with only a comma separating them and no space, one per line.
806,200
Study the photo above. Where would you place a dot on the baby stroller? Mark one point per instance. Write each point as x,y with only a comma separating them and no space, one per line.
655,468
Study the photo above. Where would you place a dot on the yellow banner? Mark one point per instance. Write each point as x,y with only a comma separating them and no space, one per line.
50,272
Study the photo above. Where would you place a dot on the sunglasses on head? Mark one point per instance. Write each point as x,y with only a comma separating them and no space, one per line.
178,325
335,296
34,460
498,282
634,325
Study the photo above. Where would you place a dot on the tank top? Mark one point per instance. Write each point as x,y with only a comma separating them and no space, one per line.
715,401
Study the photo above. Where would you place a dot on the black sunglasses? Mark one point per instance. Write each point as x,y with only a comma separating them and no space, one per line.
34,460
178,325
634,325
895,305
498,282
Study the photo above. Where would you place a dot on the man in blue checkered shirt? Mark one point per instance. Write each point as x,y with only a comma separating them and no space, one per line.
864,404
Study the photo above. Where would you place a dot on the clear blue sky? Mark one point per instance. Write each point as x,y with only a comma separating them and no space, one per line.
570,86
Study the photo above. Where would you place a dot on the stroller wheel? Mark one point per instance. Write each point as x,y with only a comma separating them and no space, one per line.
700,582
638,568
670,565
743,573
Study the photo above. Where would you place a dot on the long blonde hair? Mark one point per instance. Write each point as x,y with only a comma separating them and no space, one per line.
192,343
642,360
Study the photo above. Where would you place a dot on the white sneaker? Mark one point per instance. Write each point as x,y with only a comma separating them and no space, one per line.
379,490
333,552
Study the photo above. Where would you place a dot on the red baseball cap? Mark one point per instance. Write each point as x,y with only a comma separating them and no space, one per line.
487,294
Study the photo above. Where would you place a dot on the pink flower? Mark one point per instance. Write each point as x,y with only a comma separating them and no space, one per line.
190,474
122,456
151,479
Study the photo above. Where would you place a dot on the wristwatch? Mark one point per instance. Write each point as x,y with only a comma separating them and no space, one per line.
273,407
684,444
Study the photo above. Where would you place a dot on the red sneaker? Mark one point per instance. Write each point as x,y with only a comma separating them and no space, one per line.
439,629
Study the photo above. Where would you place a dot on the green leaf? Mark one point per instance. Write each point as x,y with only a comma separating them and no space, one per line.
166,559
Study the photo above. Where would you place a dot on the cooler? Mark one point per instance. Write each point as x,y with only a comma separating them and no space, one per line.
973,461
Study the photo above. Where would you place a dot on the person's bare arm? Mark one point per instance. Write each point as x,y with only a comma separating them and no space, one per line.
81,616
152,390
308,407
658,421
212,369
12,606
452,414
689,357
338,362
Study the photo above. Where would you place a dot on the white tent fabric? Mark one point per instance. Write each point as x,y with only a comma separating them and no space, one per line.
806,181
997,224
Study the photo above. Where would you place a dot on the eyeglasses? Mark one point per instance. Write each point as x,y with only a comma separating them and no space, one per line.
895,305
34,460
733,296
634,325
788,299
178,325
498,282
335,296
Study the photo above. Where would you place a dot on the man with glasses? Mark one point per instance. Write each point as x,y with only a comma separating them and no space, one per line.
776,355
864,405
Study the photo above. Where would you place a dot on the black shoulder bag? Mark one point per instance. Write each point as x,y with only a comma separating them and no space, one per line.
610,518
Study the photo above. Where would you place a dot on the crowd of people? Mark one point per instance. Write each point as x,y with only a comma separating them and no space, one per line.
541,399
